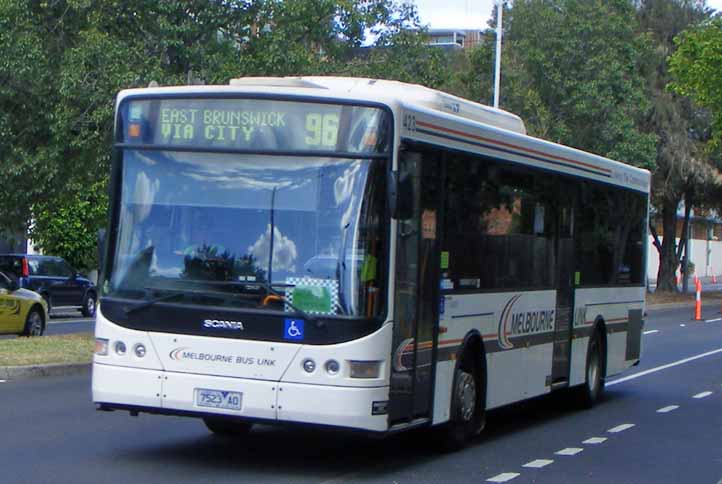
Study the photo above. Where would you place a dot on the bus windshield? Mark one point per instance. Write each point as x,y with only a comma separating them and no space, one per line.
243,227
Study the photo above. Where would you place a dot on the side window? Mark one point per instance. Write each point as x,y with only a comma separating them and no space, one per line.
37,267
11,265
499,226
63,269
610,238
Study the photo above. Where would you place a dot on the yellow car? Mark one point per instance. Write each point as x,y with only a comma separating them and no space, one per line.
22,312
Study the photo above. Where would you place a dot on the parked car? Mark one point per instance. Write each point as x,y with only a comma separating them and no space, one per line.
54,279
22,311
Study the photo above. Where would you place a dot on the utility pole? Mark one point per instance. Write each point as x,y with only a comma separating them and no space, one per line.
497,70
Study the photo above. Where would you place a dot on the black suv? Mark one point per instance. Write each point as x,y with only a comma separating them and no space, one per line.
54,279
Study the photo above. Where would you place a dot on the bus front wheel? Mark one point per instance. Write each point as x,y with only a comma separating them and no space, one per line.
467,414
227,427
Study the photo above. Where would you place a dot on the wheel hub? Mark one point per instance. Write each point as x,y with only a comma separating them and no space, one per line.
467,396
36,324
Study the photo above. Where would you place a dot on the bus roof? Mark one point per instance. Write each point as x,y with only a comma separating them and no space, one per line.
444,118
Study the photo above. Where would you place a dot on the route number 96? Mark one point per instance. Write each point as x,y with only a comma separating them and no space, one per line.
322,129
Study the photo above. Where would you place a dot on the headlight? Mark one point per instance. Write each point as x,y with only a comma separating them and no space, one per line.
139,350
120,348
101,346
309,365
332,367
365,369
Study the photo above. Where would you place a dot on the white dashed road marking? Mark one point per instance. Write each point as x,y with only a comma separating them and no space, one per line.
651,331
620,428
713,320
683,325
595,440
702,395
538,464
506,476
569,451
3,381
668,409
663,367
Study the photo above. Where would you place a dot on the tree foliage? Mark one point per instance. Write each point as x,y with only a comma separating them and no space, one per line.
681,171
63,61
69,228
592,74
696,67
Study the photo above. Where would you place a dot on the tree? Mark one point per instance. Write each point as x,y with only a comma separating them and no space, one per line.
63,61
681,172
695,68
575,76
69,228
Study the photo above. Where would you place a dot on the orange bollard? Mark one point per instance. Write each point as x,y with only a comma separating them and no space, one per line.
698,301
714,279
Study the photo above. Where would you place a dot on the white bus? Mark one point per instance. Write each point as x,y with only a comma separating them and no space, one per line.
360,254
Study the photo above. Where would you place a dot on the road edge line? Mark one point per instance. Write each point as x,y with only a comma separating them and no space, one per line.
663,367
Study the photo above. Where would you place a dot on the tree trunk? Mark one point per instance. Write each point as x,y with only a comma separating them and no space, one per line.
668,257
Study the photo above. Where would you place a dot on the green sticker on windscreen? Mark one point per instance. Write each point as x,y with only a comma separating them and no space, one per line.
577,278
312,299
444,260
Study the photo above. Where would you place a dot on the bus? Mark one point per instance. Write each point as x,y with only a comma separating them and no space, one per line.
360,254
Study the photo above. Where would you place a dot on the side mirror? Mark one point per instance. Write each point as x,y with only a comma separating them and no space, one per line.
400,196
14,286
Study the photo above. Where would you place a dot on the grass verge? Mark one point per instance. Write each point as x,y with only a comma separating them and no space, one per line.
61,349
711,297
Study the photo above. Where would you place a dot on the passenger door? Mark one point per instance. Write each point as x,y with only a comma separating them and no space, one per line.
565,290
416,292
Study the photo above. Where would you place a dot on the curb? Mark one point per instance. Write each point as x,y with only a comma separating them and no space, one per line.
33,371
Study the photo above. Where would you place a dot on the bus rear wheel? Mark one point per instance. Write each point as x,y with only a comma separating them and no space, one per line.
227,427
591,390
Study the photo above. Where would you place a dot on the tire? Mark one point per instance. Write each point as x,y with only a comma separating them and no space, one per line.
467,416
89,305
227,427
589,393
34,323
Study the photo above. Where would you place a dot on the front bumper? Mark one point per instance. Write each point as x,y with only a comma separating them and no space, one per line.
173,393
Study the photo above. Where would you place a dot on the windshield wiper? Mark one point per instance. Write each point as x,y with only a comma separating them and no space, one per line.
151,302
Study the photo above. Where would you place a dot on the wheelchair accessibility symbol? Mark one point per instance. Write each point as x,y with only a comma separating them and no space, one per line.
293,329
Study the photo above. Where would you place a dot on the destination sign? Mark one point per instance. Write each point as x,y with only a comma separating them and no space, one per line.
254,124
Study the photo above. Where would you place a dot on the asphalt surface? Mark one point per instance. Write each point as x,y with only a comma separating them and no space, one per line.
70,323
53,434
64,324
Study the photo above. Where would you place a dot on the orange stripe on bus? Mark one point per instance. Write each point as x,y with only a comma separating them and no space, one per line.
509,145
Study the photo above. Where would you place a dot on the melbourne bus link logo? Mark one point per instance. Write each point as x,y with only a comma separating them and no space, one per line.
522,323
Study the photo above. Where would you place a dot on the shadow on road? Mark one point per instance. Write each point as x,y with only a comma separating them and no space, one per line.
340,456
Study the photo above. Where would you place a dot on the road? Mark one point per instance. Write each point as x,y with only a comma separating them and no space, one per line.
656,424
69,323
64,324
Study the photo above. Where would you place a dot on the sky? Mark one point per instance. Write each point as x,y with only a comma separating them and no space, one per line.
470,14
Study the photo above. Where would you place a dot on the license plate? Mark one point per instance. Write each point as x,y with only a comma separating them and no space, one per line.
218,399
